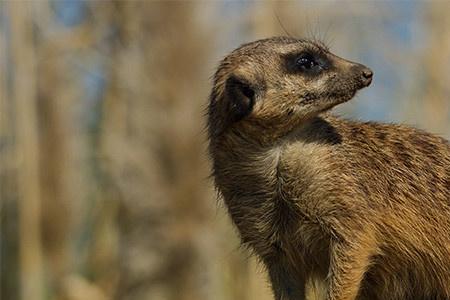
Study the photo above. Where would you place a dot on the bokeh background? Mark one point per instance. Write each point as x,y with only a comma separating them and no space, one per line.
104,188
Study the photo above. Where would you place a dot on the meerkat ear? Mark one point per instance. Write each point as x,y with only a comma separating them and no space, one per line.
241,98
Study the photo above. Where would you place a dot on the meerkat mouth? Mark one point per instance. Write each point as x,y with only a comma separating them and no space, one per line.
329,99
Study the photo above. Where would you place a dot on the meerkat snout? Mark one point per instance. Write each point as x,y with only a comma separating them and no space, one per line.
364,74
367,76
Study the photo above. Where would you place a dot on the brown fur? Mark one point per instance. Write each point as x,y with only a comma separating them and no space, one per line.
362,209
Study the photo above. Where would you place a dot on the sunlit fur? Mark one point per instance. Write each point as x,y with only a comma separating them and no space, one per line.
357,210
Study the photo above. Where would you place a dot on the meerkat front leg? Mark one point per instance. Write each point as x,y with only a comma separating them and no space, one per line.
349,260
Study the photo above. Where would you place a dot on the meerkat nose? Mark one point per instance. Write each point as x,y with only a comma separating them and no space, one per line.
367,75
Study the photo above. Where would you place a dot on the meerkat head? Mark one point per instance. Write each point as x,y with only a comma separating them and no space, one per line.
277,83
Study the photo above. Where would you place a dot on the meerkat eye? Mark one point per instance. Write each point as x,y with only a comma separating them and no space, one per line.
248,92
306,61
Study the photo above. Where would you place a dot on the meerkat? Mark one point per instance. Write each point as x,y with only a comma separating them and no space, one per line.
362,209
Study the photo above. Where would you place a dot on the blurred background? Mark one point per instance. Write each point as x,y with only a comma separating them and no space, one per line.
104,188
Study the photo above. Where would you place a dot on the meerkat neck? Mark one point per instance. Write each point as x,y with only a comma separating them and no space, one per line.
263,136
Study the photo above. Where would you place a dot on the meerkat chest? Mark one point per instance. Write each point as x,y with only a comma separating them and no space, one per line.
263,192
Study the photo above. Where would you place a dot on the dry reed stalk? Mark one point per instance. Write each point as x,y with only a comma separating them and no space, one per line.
152,136
24,89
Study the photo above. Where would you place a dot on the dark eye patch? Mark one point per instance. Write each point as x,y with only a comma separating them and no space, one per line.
308,62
